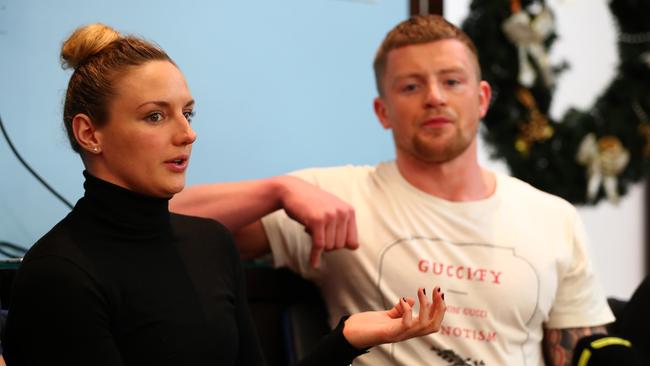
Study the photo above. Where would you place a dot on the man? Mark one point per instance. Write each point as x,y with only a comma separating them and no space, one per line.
511,259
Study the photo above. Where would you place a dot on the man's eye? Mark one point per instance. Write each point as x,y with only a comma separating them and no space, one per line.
189,115
409,87
452,82
155,117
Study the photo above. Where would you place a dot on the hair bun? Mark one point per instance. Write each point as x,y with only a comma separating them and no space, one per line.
85,42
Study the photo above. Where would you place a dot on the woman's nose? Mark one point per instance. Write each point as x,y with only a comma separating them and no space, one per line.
186,134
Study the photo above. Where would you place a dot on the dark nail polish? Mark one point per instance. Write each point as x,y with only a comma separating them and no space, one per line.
424,290
443,296
404,299
438,289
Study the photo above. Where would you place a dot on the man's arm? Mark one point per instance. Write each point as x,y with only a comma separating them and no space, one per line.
233,204
330,221
559,343
252,241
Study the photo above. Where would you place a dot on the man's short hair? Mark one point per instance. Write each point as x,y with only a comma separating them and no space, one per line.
419,29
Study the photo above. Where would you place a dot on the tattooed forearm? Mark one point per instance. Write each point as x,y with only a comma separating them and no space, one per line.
559,343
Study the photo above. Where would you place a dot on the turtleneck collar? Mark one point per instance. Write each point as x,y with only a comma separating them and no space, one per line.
122,212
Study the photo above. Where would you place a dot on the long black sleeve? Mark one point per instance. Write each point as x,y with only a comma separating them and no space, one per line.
120,281
332,350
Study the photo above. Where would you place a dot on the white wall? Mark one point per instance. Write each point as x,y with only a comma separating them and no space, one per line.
587,41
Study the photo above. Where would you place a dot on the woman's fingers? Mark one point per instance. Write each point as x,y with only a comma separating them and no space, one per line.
431,313
407,316
428,319
439,308
435,313
423,315
397,311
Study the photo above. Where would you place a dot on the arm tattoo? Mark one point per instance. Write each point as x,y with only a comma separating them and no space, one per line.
559,343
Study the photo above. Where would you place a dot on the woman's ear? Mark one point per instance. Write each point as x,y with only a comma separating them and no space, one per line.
85,133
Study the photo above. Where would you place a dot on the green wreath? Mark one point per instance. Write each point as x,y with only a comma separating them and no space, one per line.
588,155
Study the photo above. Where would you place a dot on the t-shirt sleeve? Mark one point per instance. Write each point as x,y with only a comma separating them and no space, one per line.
58,317
580,301
290,244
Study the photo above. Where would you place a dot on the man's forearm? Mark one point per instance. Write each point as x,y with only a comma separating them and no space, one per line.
330,221
559,344
233,204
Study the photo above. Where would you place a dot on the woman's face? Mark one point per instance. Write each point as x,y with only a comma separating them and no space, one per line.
147,140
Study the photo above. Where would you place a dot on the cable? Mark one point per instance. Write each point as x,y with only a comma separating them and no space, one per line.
11,146
12,250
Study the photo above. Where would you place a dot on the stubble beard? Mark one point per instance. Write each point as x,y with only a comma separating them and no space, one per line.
435,148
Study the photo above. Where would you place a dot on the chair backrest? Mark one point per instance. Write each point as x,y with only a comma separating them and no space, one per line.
304,325
617,306
288,312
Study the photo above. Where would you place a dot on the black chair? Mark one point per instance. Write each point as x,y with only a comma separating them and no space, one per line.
288,312
633,320
304,325
617,306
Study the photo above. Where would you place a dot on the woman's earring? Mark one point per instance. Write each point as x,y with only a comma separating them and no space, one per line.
96,149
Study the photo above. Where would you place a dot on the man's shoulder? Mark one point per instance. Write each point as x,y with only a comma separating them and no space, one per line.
515,189
334,175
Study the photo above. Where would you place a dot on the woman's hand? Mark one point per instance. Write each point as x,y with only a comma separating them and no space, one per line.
371,328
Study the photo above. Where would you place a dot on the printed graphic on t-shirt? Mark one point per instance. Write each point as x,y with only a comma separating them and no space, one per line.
490,291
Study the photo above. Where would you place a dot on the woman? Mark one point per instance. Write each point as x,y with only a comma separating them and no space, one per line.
120,280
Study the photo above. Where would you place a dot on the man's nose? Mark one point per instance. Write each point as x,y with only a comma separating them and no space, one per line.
435,95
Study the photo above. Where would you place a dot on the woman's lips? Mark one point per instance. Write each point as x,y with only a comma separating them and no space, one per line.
177,165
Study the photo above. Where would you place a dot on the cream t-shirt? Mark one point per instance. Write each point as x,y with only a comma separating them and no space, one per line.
509,265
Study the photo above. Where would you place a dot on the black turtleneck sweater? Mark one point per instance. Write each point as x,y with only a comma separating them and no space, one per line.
121,281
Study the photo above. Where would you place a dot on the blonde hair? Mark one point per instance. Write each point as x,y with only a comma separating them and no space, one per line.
98,54
418,29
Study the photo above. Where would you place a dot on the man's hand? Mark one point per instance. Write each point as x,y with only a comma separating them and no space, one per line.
330,221
240,206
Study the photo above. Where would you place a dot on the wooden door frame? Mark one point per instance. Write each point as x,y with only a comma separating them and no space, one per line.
425,7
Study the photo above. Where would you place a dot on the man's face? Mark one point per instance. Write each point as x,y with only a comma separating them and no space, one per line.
432,99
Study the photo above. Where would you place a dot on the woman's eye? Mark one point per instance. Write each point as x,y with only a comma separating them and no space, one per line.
155,117
189,115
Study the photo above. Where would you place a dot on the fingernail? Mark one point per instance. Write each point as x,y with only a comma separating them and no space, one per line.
438,289
443,296
404,299
424,290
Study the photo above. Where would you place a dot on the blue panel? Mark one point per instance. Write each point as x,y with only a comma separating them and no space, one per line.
279,85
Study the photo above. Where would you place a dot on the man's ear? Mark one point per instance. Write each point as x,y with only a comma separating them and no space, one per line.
381,112
485,96
86,133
